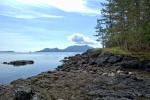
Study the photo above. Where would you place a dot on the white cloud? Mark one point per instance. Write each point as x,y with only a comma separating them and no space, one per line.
29,15
81,39
37,15
18,9
24,8
76,6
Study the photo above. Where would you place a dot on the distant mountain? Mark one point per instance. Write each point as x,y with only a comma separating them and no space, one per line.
77,48
50,50
74,48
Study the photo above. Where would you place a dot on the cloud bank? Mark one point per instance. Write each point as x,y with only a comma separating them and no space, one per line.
81,39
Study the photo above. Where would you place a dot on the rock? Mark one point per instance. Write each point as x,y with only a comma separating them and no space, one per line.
101,61
119,87
119,71
4,62
19,62
104,74
115,59
35,97
92,53
23,93
5,86
136,64
131,64
111,74
101,58
130,73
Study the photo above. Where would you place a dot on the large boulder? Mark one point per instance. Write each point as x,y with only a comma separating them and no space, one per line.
105,58
23,93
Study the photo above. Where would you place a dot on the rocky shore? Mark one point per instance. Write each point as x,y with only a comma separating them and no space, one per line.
93,75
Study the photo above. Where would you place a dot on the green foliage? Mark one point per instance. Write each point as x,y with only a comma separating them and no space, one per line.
125,23
147,34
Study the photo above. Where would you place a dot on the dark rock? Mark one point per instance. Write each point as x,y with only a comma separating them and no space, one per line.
4,62
136,64
101,58
129,58
131,64
115,59
23,93
77,55
19,62
121,87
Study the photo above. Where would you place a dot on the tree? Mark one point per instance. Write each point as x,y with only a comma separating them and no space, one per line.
124,23
100,31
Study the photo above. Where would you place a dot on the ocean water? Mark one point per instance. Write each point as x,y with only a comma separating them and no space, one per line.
43,61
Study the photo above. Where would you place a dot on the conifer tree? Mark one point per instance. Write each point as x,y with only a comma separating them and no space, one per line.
125,23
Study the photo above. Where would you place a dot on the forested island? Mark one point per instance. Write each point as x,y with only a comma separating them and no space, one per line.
118,71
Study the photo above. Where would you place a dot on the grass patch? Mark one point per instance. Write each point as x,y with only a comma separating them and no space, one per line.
117,50
141,98
143,55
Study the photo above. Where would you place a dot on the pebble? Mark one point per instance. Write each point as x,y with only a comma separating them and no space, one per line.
111,74
104,74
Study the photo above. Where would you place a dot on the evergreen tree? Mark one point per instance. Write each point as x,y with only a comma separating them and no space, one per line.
125,23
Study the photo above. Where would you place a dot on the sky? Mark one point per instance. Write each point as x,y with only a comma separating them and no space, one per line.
32,25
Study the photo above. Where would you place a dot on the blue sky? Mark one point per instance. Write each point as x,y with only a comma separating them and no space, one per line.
32,25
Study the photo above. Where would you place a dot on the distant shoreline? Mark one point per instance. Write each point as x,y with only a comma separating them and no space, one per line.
7,51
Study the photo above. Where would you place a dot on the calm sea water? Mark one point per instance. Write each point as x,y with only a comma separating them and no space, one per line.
43,61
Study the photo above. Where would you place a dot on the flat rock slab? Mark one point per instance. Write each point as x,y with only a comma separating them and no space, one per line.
19,62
